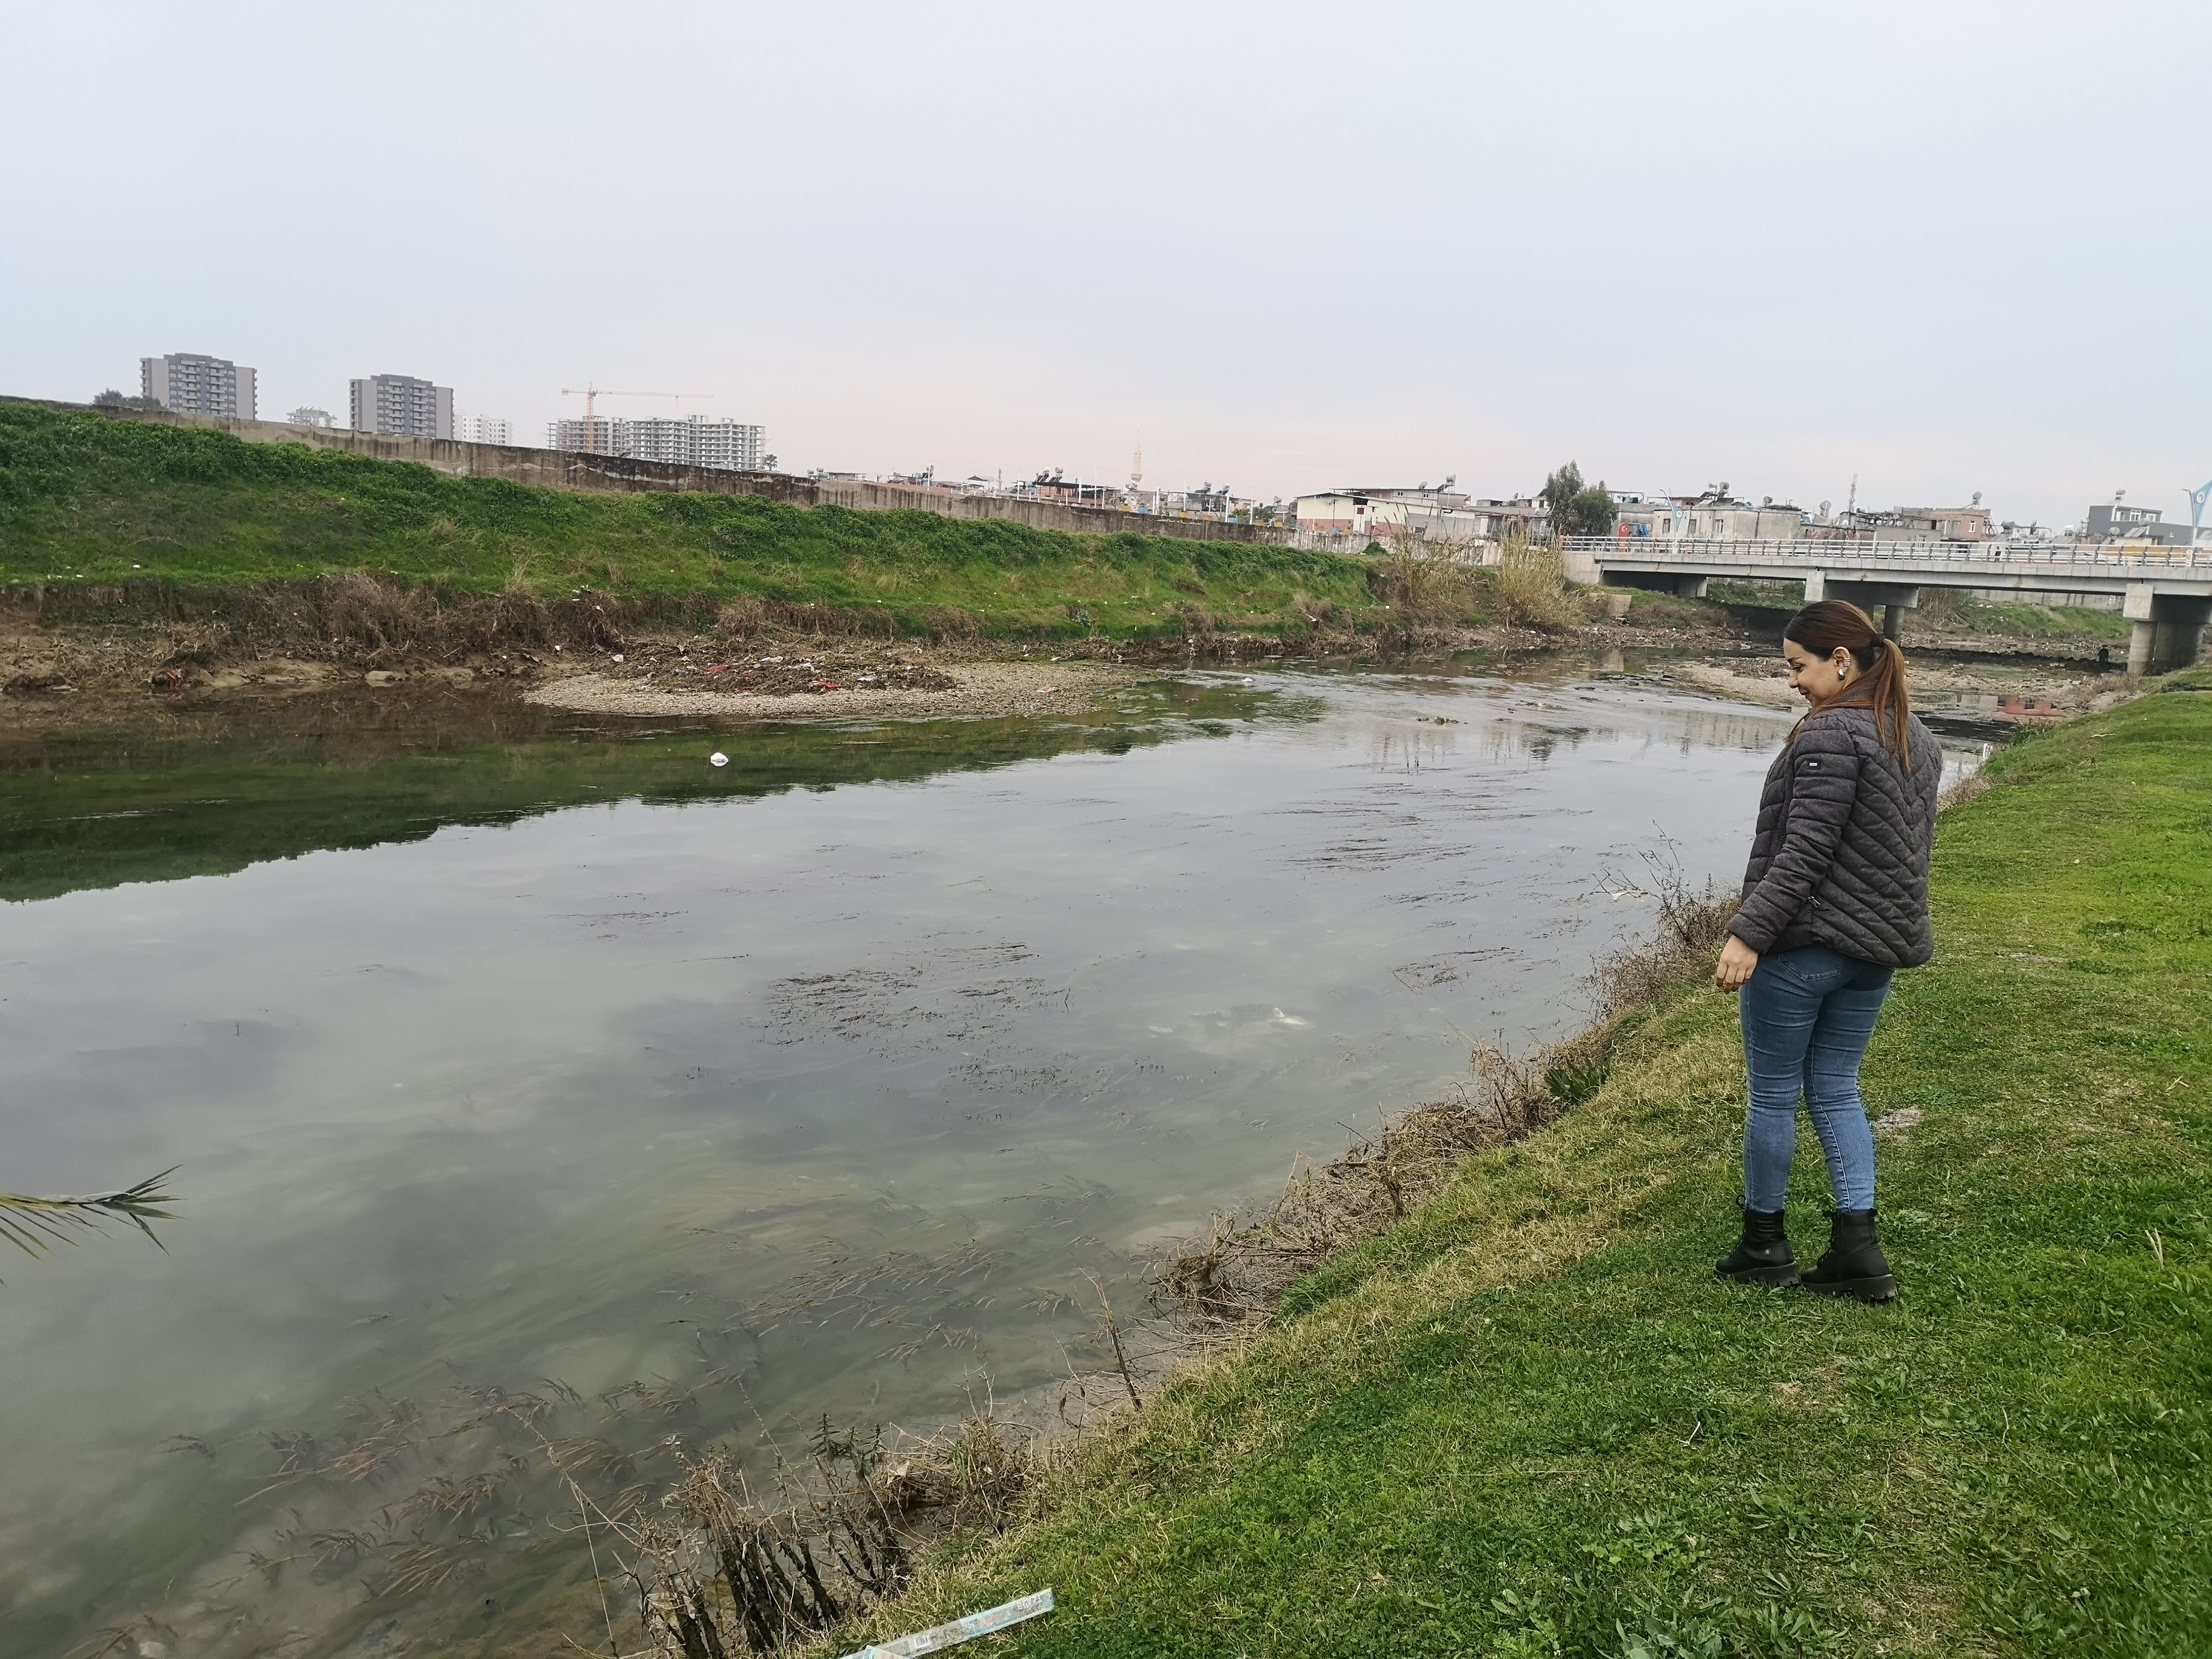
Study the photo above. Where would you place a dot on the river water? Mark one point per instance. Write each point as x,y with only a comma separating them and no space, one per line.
505,1056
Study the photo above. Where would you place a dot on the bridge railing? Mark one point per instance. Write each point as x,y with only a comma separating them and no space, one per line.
1999,555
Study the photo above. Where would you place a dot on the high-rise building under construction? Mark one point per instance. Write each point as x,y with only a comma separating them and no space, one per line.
687,440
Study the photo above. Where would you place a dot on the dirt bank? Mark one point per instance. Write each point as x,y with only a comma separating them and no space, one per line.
973,688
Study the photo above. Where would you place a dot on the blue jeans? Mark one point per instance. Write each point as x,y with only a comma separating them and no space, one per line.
1808,1016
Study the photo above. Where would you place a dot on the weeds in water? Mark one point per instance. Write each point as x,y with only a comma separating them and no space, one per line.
35,1225
721,1571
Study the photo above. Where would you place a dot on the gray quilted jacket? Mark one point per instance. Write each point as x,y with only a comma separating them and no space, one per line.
1840,857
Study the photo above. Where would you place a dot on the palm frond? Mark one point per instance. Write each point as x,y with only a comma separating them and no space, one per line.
35,1225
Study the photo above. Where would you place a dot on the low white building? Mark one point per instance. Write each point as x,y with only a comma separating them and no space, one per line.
1714,515
309,416
483,429
1441,513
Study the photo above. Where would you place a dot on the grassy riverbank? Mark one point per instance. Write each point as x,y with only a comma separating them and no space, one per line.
87,501
1528,1420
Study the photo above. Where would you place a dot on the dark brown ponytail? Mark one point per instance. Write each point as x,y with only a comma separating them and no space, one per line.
1825,624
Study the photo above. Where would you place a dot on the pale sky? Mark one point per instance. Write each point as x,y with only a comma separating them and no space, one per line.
1944,247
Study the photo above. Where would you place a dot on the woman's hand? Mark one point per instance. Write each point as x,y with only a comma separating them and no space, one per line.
1737,961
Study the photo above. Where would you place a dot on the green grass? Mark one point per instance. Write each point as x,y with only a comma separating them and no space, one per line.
1529,1421
86,499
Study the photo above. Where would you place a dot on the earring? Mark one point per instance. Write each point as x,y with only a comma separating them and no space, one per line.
1839,673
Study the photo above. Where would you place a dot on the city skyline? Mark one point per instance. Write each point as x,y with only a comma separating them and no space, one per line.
1721,243
722,442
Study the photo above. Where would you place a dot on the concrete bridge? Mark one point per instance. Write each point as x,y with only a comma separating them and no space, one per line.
2166,593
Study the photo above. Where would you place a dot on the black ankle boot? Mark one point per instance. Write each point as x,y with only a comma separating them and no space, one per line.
1854,1265
1762,1255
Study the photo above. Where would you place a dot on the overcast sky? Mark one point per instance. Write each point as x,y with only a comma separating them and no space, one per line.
1944,247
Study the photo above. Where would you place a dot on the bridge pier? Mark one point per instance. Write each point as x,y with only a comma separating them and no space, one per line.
2169,629
2169,599
1893,599
1658,581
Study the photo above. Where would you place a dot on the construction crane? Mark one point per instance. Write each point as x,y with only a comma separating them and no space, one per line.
590,394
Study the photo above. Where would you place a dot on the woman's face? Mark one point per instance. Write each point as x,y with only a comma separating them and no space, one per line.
1817,679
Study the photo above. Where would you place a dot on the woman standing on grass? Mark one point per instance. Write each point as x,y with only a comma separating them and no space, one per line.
1835,899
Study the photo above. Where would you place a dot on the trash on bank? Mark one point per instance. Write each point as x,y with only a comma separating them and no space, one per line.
718,758
939,1637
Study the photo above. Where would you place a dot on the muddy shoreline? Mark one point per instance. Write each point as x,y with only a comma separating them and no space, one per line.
55,678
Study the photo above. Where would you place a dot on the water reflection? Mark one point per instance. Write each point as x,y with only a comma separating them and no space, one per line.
719,1110
194,789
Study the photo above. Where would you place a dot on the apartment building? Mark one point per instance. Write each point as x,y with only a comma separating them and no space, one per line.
402,406
191,383
1713,515
308,416
483,429
1442,512
687,440
2114,521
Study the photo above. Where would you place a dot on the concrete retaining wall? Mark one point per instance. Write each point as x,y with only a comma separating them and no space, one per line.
554,469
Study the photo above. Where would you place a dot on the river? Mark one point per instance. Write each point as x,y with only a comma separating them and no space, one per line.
506,1056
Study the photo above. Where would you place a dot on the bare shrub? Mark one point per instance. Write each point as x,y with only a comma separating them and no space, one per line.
1942,605
1692,930
949,625
1422,582
1964,790
1531,588
872,621
742,617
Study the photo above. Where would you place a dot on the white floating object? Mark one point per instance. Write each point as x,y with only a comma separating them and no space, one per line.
940,1636
718,758
618,656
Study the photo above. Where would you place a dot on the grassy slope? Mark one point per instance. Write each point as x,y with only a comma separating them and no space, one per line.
1530,1422
87,498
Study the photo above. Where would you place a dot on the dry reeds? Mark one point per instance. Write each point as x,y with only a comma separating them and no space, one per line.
1532,585
720,1572
353,615
357,616
1692,930
1422,582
